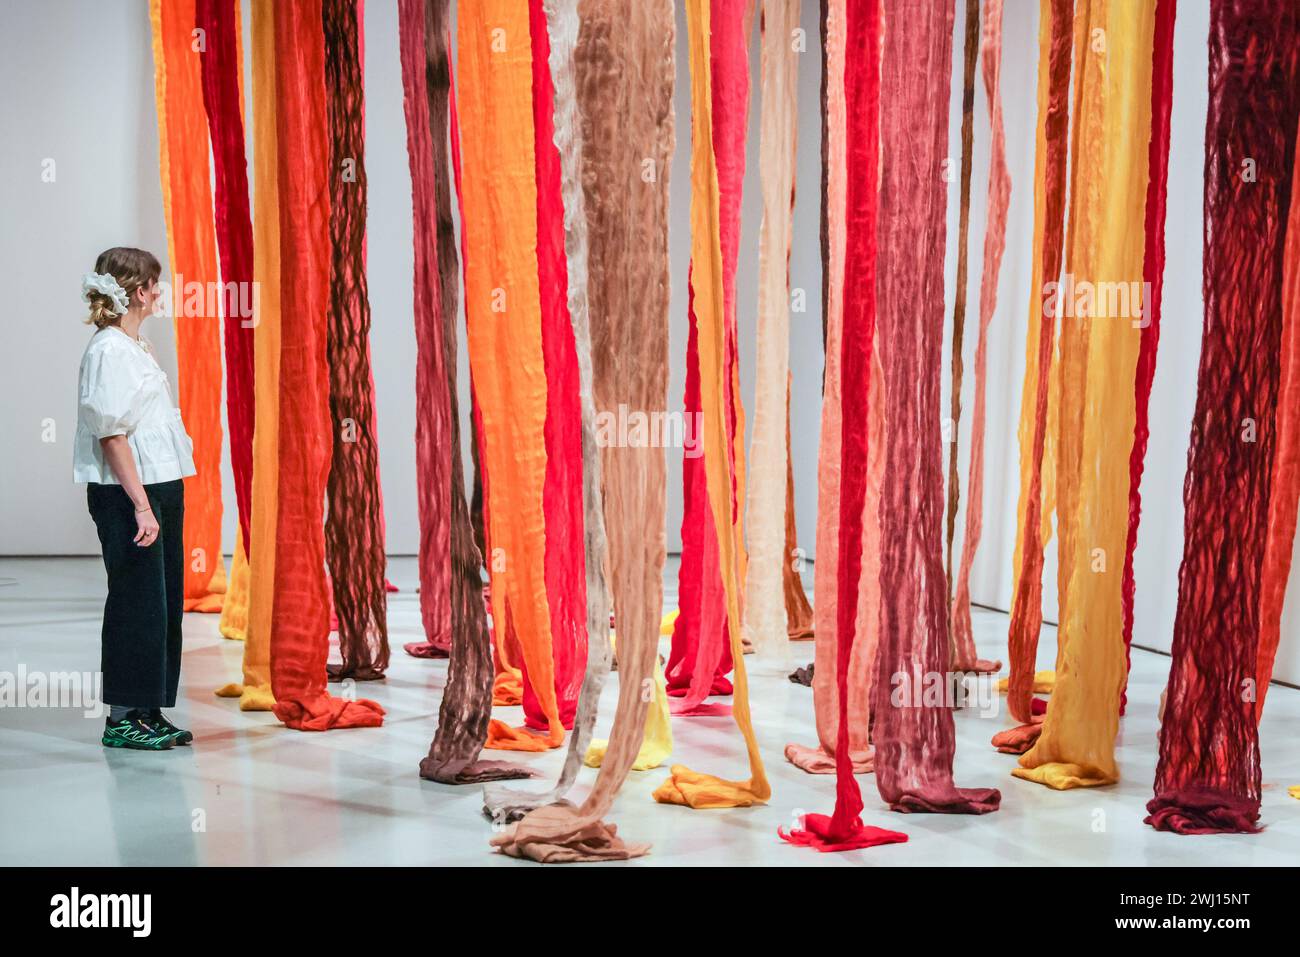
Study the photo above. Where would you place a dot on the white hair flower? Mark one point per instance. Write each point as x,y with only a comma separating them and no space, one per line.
104,283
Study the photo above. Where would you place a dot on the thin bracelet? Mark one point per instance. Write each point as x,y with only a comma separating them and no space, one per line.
147,508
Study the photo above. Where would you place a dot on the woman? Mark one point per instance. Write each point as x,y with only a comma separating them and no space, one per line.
132,449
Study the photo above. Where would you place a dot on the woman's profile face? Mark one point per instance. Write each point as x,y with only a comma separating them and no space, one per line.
149,297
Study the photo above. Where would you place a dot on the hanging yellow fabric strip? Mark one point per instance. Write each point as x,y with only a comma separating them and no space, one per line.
685,786
192,253
1101,313
254,692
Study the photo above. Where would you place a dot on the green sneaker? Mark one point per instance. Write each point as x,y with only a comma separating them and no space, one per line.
158,720
135,732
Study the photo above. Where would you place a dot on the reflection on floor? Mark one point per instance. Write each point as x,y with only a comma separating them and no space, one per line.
252,792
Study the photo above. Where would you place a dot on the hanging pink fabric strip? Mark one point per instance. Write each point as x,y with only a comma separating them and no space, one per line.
821,758
914,738
965,657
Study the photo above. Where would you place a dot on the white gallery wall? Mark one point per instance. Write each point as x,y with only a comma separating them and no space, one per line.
80,74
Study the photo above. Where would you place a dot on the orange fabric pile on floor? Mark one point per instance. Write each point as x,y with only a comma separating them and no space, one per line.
191,245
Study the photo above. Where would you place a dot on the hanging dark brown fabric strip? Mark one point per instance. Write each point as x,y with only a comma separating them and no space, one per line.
970,53
467,697
354,529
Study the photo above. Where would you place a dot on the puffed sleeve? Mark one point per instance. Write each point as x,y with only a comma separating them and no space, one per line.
110,391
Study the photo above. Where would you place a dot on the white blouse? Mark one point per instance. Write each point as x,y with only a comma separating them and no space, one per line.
123,391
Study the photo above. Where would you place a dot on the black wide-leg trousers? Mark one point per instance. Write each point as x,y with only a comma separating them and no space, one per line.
141,660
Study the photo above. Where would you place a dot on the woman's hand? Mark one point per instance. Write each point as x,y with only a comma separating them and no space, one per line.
146,528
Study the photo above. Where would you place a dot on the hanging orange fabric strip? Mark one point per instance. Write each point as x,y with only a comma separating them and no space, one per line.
191,244
1077,744
798,612
503,313
1037,485
685,786
300,616
254,692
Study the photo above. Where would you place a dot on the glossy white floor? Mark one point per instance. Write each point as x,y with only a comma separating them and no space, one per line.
252,792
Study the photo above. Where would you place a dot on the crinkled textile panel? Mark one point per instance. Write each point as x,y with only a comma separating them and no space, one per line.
354,525
711,243
1153,268
1208,775
1037,474
300,618
1100,340
701,651
254,691
566,587
449,558
765,505
914,738
192,255
223,73
964,656
624,80
557,20
970,53
503,312
844,831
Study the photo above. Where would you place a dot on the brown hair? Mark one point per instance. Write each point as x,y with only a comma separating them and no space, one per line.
132,268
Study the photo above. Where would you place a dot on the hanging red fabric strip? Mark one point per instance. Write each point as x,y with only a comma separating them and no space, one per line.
354,531
700,656
914,737
300,620
1153,269
1208,775
844,831
222,73
566,584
